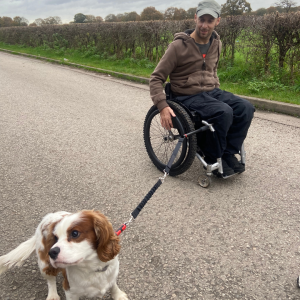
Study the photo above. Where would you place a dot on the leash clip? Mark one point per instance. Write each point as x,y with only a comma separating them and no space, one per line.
164,177
130,220
124,226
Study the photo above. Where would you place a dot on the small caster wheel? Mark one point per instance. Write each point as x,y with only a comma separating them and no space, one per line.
204,181
298,282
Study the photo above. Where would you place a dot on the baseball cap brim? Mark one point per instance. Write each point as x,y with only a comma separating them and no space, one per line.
207,11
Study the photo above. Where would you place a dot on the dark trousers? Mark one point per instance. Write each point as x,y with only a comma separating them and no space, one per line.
230,115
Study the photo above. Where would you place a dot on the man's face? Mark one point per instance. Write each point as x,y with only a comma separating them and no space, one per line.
205,26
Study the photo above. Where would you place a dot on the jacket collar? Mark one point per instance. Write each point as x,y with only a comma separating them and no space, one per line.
214,34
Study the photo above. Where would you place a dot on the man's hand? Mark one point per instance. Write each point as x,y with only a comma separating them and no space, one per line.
166,115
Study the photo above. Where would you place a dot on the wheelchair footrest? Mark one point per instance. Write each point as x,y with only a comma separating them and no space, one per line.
219,175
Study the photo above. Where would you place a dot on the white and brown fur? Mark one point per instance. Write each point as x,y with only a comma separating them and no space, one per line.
83,246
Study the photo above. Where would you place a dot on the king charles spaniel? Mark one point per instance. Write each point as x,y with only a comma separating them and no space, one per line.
83,246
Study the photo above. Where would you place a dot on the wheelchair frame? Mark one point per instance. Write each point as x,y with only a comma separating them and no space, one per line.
169,136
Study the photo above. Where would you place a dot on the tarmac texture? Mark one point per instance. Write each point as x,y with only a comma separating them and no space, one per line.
73,140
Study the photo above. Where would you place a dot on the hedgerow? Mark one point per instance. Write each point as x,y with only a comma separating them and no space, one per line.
267,41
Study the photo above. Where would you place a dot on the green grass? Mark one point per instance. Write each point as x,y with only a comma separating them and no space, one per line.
275,95
242,78
248,80
142,67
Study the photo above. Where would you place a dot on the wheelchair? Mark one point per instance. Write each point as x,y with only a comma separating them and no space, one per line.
160,143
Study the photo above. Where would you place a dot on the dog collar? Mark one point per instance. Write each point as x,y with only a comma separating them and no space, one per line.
102,270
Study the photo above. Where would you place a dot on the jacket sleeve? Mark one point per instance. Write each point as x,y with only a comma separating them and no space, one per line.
216,67
164,68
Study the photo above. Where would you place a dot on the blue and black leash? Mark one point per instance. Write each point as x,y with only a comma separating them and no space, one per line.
138,209
166,171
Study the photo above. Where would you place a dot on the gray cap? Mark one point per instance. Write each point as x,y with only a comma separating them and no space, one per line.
209,7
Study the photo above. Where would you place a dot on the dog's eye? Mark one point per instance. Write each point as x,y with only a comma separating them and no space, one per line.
55,239
75,234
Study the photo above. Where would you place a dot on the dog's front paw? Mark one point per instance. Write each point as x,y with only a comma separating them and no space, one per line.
117,294
121,296
53,297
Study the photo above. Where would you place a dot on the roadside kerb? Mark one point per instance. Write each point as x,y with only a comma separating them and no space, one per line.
65,62
274,106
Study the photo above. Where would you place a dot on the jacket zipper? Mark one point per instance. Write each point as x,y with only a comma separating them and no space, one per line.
204,65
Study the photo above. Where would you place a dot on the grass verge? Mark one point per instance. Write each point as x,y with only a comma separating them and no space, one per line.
238,79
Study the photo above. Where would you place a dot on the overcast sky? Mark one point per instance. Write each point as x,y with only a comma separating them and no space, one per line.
66,9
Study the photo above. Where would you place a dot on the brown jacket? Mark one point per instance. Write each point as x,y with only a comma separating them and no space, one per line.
184,63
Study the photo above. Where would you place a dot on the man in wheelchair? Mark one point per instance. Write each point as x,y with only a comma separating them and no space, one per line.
191,62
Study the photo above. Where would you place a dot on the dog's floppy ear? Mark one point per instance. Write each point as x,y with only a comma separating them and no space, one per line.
107,241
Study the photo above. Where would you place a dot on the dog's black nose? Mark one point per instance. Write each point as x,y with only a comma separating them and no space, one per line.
53,253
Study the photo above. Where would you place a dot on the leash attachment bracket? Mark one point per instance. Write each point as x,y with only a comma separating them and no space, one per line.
164,176
124,226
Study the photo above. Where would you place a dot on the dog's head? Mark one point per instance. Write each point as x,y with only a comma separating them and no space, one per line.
81,236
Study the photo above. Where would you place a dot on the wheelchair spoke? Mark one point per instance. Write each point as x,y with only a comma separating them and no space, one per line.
165,150
155,138
158,125
158,130
160,151
158,148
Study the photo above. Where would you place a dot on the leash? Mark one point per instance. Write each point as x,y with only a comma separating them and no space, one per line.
166,171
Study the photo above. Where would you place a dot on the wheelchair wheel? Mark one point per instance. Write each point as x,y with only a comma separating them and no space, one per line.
160,143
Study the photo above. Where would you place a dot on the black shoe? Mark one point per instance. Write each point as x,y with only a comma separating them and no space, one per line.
227,171
233,163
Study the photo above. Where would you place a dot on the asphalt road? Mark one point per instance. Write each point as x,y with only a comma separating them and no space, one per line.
72,140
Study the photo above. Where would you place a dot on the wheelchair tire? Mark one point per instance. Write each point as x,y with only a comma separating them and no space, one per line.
160,147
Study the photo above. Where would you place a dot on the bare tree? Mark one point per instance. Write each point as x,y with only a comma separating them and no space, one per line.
6,22
24,22
99,19
169,13
179,14
17,20
52,21
121,17
39,22
133,16
260,12
20,21
271,9
190,13
127,17
111,18
90,19
150,13
287,5
235,8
